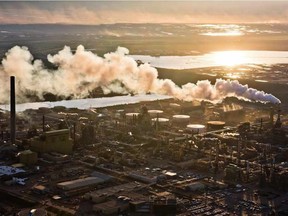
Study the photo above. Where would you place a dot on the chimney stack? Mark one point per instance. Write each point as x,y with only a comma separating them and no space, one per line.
12,110
278,122
271,115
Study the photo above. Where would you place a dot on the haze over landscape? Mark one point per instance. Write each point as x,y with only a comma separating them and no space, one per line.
109,12
148,28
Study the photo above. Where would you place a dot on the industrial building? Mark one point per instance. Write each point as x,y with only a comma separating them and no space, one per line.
80,183
28,157
102,194
110,207
57,140
164,157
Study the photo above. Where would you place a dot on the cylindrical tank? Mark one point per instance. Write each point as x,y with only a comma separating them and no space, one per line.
119,113
196,128
175,106
131,116
161,121
155,113
120,110
181,119
215,125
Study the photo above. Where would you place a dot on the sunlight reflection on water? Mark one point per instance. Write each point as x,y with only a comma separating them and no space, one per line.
213,59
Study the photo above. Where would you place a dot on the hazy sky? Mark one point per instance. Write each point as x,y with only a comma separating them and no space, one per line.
101,12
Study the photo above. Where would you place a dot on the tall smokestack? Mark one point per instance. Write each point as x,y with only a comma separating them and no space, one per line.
43,123
12,110
278,122
272,115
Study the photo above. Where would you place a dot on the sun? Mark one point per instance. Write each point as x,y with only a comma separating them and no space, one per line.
230,58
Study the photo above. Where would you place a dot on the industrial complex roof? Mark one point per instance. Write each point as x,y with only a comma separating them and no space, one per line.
79,183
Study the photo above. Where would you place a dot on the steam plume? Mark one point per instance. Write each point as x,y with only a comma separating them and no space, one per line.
82,71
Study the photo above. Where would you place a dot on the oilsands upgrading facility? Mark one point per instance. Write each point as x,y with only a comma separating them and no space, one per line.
164,157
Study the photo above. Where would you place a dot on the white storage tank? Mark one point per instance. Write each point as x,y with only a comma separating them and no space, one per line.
161,121
175,106
131,116
120,110
119,113
196,128
181,119
155,113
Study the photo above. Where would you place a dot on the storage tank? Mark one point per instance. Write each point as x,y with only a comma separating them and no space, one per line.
215,125
181,119
155,113
119,113
161,121
196,128
131,116
175,106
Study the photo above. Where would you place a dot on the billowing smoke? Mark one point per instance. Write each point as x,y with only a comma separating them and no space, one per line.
80,72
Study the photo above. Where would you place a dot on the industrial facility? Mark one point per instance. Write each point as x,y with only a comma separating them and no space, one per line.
165,157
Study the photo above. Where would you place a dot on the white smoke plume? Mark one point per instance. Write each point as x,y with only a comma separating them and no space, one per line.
80,72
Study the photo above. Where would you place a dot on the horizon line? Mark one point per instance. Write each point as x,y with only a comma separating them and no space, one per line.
184,23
